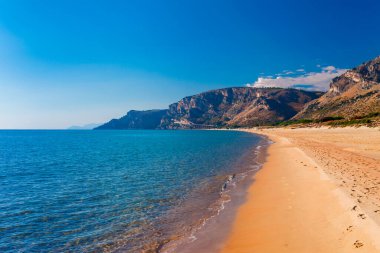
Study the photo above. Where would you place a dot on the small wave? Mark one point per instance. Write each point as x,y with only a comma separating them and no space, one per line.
228,181
251,164
220,205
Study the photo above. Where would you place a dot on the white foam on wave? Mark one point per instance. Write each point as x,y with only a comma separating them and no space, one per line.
231,183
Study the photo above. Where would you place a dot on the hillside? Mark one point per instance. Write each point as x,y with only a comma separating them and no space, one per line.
136,120
354,94
237,107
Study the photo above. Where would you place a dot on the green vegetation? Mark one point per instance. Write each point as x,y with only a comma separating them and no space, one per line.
350,122
308,121
334,120
331,118
233,127
293,122
369,115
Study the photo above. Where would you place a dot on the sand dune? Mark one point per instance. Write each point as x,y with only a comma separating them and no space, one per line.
318,191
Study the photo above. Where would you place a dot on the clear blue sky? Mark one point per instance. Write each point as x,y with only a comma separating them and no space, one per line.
69,62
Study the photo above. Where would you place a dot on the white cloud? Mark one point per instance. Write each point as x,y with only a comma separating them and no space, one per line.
329,68
308,81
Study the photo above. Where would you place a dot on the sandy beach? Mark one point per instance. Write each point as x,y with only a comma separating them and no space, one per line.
318,191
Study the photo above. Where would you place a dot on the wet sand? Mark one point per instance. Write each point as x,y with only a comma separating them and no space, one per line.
318,191
210,235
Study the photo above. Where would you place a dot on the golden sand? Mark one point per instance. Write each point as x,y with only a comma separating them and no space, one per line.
318,191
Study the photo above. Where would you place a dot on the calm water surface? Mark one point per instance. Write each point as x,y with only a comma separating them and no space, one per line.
106,191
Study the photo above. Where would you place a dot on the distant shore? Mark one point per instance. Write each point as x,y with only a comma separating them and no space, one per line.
318,191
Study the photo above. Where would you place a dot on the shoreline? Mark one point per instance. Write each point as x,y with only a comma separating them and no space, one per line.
211,235
317,192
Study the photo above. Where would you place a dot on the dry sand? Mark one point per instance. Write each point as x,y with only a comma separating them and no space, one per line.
318,191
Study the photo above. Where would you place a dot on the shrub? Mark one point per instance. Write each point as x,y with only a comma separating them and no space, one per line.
292,122
369,115
330,118
350,122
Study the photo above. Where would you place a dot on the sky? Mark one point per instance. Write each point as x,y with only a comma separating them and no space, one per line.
76,62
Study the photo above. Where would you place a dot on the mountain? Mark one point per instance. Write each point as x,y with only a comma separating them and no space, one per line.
356,93
84,127
237,107
228,107
136,120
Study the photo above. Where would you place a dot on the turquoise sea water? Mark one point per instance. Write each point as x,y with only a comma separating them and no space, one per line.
105,191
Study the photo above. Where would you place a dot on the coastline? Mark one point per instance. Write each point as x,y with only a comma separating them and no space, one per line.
213,232
317,192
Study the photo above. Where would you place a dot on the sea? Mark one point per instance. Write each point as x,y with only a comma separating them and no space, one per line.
117,191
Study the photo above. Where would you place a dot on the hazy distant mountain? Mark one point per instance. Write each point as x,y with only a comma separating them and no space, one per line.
229,107
353,94
84,127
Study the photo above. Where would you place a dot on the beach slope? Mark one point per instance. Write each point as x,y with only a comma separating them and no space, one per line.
318,191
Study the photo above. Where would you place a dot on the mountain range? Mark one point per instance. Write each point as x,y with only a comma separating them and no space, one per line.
353,94
228,107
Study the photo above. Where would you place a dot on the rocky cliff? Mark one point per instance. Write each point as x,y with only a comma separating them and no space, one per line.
229,107
355,93
236,107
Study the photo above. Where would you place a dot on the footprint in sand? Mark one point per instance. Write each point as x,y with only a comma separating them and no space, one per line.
349,229
361,215
358,244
